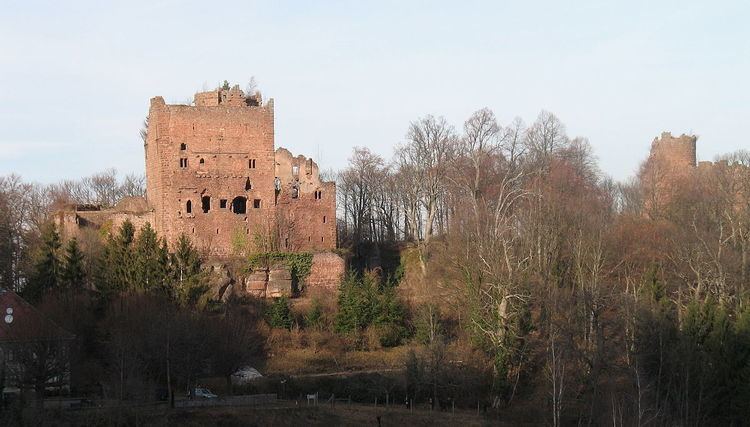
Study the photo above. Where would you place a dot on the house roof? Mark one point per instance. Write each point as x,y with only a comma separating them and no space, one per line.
22,322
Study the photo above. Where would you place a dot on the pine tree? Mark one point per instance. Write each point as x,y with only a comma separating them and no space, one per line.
280,314
72,274
115,267
46,273
150,262
188,278
363,303
314,318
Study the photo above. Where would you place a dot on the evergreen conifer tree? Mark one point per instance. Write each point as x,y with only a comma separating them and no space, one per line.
189,281
46,273
150,262
115,268
72,275
280,314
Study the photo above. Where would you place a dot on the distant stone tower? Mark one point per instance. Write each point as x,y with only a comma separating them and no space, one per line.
671,161
674,152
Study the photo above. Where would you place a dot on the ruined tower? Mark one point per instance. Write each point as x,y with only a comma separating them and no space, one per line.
212,173
674,152
672,160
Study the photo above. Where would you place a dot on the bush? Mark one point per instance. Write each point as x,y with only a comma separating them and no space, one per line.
363,303
279,314
314,318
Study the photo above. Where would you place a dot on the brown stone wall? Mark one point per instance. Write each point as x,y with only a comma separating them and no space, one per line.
309,218
675,152
211,173
222,151
222,154
672,160
75,221
327,271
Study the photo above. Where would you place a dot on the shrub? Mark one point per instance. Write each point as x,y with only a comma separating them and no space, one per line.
314,318
363,303
279,314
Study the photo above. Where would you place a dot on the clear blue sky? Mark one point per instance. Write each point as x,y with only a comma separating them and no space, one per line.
76,77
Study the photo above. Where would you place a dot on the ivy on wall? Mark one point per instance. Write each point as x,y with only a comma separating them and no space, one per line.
299,264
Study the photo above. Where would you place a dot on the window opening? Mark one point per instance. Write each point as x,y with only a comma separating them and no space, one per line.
239,205
295,190
189,206
248,185
202,162
256,203
183,163
206,203
251,164
223,203
183,147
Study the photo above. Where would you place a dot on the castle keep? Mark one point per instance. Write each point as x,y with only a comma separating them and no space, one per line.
671,166
214,174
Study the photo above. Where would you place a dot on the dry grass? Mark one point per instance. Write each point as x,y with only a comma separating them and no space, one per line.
309,361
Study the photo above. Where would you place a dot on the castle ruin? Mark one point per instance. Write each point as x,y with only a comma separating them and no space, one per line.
213,173
672,165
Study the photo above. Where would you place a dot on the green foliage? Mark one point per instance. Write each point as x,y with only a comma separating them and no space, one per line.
279,314
189,280
704,361
428,324
239,242
150,262
142,263
115,269
225,85
299,264
394,279
363,303
314,318
46,273
72,274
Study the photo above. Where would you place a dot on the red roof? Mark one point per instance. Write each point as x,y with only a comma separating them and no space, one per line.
22,322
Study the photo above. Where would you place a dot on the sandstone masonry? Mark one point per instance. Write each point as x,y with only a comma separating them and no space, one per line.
213,173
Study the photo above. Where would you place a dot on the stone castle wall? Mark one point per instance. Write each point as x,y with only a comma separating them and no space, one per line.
671,161
209,172
675,152
212,171
214,174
